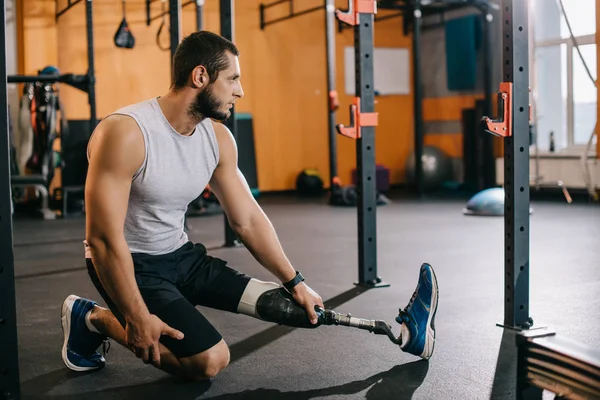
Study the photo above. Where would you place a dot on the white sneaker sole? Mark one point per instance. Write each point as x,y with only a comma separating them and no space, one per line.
430,336
65,318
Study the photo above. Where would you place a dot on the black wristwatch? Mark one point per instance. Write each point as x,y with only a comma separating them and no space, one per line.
291,284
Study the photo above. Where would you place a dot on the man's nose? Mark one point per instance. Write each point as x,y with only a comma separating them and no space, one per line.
239,92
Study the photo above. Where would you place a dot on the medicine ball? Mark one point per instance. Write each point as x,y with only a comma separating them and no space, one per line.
309,183
436,167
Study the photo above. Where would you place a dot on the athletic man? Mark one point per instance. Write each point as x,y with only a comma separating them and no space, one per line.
147,162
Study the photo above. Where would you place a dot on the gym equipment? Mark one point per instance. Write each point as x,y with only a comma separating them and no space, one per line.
546,361
360,15
309,183
50,75
246,150
512,126
435,167
52,158
347,195
488,202
382,178
174,12
363,120
478,150
123,37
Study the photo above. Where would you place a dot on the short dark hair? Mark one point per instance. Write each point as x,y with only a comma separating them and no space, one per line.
201,48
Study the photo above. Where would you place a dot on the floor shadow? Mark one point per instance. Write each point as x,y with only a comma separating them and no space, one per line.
245,347
171,387
505,378
165,388
399,383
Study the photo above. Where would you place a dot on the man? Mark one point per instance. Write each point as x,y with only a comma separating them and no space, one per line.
147,162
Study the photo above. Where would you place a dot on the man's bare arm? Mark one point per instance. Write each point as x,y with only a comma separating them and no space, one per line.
245,216
116,153
251,224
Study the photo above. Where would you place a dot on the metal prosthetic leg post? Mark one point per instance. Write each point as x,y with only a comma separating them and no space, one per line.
378,327
278,306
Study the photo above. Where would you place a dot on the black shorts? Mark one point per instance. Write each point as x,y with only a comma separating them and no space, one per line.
173,284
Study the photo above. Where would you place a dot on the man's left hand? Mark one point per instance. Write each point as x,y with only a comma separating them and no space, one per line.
308,299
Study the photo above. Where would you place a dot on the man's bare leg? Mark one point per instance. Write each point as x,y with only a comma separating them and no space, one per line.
102,321
201,366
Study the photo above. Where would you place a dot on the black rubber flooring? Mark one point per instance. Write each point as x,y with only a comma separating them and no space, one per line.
474,359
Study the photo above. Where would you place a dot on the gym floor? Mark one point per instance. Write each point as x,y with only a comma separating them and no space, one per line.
473,359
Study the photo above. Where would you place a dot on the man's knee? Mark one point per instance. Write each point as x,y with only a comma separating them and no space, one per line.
208,364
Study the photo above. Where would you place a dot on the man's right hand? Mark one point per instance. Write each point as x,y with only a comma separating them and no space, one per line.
143,335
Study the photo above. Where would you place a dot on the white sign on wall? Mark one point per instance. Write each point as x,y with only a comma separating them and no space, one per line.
391,67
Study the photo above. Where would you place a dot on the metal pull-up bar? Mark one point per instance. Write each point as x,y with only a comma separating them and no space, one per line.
291,14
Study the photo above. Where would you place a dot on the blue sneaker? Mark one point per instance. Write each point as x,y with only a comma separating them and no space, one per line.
80,344
419,315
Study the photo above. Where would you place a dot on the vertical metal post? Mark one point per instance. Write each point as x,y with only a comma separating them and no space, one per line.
199,15
174,26
9,356
516,165
418,96
365,155
331,67
486,21
228,32
489,171
89,22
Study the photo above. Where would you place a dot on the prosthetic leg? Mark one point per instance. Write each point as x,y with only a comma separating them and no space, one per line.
270,302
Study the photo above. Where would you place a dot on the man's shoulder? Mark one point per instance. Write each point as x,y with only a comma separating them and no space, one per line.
221,130
118,130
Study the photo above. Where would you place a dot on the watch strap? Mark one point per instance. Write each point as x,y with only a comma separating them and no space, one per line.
294,282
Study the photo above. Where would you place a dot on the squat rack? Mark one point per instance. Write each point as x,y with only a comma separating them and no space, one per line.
360,15
512,125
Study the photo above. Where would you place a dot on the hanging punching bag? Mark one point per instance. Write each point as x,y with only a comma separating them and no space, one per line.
123,37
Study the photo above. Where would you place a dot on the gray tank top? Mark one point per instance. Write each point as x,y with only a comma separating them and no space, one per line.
176,169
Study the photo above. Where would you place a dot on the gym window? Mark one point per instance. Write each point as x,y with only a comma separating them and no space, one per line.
565,98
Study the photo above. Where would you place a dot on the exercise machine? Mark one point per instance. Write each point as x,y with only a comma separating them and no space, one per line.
84,82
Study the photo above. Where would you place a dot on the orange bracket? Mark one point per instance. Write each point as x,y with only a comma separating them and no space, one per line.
502,126
357,119
356,7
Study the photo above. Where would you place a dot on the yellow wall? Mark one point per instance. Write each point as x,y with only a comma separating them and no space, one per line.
283,73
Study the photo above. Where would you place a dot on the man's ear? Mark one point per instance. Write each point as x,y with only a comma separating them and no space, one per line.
199,77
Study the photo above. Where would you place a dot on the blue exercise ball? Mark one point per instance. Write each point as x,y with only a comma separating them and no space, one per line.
488,202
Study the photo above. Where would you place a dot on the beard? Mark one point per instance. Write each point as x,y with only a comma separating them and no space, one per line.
207,105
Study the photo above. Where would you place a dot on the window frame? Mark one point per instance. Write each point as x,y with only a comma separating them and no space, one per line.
572,148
